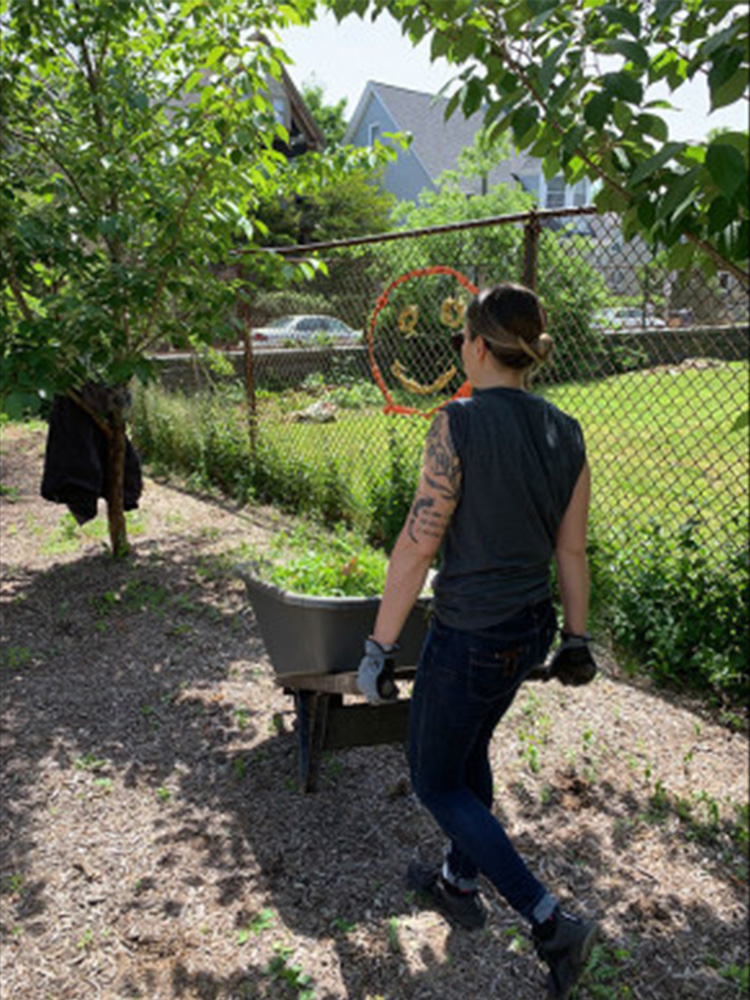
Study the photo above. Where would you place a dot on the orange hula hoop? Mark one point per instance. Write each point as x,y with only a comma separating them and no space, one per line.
419,272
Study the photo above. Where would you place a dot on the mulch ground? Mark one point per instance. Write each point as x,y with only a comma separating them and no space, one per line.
155,843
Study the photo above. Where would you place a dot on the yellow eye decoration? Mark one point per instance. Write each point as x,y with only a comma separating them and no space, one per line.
407,320
452,313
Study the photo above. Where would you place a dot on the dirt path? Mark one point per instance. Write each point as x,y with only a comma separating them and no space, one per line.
155,845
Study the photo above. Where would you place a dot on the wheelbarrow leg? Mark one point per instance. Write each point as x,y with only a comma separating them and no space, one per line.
312,718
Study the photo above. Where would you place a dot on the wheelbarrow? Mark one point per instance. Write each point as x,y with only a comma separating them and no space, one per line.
315,645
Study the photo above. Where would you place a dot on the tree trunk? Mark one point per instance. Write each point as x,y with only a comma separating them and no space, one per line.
118,534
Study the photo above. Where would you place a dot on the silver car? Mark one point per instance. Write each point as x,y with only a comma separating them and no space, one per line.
310,330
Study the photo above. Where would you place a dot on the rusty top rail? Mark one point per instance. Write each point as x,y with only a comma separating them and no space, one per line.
536,216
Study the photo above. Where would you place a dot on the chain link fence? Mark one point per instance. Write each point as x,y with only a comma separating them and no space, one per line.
652,363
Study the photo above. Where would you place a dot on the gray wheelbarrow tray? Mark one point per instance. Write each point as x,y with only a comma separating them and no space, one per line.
315,645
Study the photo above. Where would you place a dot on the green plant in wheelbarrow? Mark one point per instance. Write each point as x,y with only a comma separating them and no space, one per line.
315,595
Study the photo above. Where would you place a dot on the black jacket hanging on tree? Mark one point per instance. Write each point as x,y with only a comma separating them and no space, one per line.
75,462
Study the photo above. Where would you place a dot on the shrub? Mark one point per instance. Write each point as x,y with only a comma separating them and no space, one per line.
677,611
392,494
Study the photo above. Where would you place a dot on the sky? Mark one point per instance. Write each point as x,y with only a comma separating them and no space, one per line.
341,58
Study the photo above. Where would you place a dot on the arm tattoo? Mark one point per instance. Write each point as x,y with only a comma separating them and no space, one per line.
441,473
441,463
423,520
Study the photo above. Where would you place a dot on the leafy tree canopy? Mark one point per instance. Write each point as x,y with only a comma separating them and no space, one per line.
138,138
331,118
328,196
570,79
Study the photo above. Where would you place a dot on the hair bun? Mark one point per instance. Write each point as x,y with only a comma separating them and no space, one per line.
543,345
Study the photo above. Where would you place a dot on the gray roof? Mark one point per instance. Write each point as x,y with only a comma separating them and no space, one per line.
437,142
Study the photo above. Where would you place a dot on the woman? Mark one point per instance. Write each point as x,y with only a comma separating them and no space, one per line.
504,489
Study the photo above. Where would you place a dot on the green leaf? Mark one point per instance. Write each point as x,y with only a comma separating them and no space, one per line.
597,109
646,213
621,15
193,81
721,213
573,139
666,10
18,405
624,86
727,167
523,121
621,160
716,41
622,115
439,45
655,163
633,51
727,79
473,95
743,420
538,8
681,194
549,66
731,90
653,125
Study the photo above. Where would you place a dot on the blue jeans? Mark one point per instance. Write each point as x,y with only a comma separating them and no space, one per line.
465,684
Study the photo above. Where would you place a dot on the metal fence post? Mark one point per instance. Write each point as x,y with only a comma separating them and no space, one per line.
243,311
531,250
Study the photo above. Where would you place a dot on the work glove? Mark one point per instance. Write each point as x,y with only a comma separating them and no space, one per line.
375,675
573,663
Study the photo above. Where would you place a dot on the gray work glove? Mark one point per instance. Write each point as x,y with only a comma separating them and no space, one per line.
573,663
375,674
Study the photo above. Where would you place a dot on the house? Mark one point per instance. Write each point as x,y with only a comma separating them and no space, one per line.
289,108
292,112
436,145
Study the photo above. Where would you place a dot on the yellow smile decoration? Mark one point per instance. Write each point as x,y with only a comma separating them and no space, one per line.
418,387
449,312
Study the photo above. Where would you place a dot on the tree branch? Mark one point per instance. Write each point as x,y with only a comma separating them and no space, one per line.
16,289
176,227
505,53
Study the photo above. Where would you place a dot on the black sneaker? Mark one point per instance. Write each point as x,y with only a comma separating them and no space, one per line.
565,950
465,908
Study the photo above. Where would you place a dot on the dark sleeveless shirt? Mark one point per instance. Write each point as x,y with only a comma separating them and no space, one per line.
520,460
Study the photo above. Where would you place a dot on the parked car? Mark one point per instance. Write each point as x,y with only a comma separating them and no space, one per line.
309,330
627,318
681,318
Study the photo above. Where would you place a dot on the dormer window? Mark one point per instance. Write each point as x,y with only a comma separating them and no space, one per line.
373,132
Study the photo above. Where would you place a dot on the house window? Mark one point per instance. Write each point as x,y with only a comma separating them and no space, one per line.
580,194
279,107
373,133
555,193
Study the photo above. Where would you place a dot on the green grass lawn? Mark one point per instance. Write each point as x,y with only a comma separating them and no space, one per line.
660,444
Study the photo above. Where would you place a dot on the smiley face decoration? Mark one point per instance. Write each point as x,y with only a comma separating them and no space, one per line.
410,340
